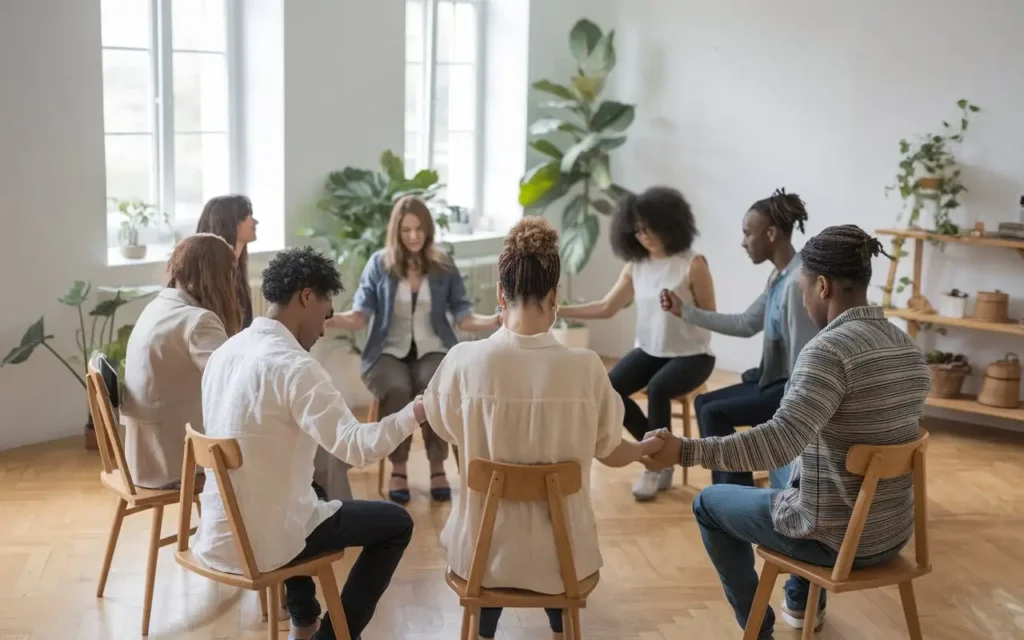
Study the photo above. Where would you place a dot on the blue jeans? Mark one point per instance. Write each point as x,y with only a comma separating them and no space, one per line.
732,518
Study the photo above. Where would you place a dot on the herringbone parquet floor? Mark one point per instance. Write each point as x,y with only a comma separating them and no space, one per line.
657,583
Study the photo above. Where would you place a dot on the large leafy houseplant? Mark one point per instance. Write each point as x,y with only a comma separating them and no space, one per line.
358,204
578,141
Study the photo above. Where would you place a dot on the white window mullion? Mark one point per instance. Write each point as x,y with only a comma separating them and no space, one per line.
236,132
429,67
165,105
479,137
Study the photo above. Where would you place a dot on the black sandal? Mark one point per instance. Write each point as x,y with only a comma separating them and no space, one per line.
400,496
440,494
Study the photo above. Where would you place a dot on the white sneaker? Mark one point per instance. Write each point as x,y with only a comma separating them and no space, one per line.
650,483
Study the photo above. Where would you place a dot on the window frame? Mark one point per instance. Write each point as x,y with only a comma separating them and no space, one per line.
161,50
426,127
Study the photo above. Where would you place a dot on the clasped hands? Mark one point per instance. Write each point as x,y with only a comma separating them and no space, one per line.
661,450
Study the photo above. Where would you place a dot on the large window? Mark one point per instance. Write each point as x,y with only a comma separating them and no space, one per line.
169,103
442,109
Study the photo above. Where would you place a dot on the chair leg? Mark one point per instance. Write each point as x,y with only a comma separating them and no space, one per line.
577,627
381,469
115,531
910,610
263,604
474,624
272,605
811,612
154,547
467,619
332,596
687,416
764,593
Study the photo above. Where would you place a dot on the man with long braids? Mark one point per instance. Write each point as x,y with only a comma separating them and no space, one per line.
778,312
862,380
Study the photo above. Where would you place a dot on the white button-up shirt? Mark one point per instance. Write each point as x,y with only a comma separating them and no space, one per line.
263,389
523,400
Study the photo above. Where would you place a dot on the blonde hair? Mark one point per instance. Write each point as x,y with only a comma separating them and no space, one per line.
398,259
205,267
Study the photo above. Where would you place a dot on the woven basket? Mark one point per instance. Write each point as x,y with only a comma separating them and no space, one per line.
947,380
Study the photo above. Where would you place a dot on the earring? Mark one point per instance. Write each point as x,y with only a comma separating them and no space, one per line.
499,309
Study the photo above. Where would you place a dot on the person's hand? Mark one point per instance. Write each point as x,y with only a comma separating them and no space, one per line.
671,302
496,321
668,455
651,445
418,410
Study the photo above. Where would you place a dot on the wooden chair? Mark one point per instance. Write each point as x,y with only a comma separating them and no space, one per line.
550,483
130,499
686,413
222,455
874,463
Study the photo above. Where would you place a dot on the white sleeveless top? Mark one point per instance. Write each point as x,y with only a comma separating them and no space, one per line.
408,324
658,332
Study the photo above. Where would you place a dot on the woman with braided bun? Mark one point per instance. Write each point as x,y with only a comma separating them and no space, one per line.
861,380
767,237
521,397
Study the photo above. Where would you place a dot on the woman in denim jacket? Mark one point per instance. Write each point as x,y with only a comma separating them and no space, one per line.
406,294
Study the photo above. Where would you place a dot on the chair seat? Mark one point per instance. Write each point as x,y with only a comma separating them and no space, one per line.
521,598
305,568
143,497
899,569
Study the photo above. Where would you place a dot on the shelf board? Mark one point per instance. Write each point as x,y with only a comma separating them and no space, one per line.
1012,328
922,234
968,404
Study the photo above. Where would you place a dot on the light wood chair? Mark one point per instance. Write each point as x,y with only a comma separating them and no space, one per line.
687,414
874,463
222,455
130,499
551,484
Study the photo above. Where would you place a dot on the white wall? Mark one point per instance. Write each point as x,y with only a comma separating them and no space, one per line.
343,78
738,97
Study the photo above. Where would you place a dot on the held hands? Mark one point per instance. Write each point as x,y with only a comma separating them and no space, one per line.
418,410
667,454
671,302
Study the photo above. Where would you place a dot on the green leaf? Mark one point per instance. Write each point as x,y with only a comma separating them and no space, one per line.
422,180
547,148
547,126
77,294
130,294
572,105
904,280
573,213
107,308
577,244
562,187
602,59
612,115
393,166
608,143
588,86
601,173
583,40
603,206
34,336
555,89
974,108
573,154
537,182
962,104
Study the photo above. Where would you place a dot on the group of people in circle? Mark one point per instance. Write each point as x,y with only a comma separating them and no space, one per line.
197,356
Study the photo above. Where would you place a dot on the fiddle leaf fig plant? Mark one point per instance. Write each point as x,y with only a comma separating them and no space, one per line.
577,141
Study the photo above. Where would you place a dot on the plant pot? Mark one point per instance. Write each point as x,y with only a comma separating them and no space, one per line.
952,306
133,251
929,183
947,380
573,337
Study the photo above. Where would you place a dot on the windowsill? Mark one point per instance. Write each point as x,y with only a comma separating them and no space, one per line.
475,236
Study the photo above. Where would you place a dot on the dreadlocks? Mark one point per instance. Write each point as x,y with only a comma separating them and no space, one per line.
842,253
785,211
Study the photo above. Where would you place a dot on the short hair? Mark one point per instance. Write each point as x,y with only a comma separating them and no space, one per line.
529,267
842,253
293,270
663,211
785,211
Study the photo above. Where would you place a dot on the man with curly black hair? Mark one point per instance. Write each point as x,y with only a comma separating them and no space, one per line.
264,389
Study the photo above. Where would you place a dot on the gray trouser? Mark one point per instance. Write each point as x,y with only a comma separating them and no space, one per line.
395,383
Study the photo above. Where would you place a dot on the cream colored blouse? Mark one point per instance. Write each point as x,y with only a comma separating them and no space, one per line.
163,373
523,400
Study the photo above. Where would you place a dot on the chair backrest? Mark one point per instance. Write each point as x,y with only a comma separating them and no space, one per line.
549,483
219,455
880,463
108,440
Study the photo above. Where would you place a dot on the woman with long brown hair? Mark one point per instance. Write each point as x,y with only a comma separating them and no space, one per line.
230,217
408,289
167,352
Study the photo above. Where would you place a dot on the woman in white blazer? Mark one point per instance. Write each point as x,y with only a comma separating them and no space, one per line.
167,352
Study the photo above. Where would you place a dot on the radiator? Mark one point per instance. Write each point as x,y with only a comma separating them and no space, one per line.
259,303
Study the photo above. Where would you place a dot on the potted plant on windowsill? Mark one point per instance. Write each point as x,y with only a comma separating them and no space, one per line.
577,143
136,215
102,338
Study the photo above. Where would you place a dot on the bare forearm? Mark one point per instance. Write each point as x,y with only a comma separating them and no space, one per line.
349,321
476,323
589,311
625,454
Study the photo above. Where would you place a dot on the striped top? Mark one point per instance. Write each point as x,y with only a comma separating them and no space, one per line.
862,380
